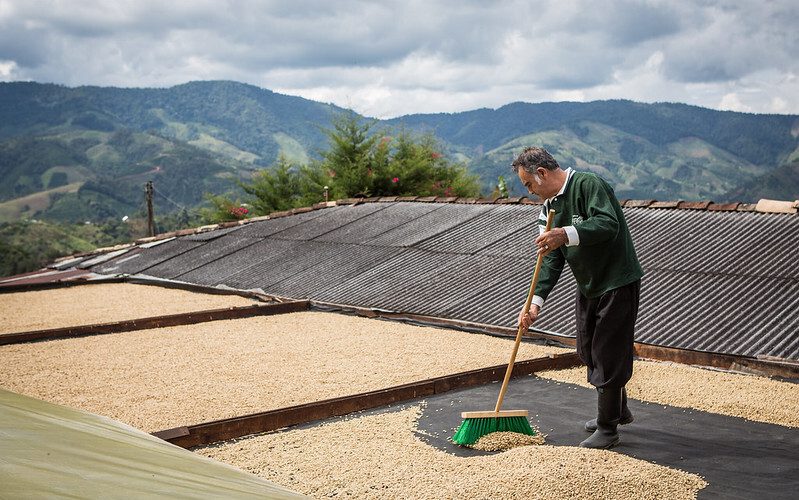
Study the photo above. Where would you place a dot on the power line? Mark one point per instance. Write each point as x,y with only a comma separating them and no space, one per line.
167,198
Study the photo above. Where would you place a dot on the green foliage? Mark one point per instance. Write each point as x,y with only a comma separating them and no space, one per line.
357,164
349,159
129,132
247,117
780,184
274,189
501,189
115,167
313,183
29,245
222,209
57,179
191,139
23,161
364,164
26,246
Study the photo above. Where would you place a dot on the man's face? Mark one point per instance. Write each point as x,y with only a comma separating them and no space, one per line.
534,183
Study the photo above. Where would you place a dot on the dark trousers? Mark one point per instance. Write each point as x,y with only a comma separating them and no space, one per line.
605,327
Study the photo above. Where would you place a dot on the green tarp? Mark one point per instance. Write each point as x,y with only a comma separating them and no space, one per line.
47,450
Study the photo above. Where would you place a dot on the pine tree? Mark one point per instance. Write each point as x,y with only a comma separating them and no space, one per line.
274,189
349,159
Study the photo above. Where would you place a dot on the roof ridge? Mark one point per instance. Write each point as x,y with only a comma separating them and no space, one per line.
763,206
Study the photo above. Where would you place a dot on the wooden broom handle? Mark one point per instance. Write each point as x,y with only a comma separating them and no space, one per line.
527,303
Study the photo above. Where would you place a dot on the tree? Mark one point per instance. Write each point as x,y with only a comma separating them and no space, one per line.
274,189
380,165
358,163
349,159
222,209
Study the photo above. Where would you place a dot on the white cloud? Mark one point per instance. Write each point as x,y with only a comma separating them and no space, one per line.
778,105
7,70
731,102
397,57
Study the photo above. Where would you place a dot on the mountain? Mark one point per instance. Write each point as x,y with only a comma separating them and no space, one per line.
75,154
662,151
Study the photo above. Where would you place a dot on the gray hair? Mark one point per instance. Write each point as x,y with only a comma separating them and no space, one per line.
532,158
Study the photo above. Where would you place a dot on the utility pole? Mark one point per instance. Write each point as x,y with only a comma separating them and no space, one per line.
148,194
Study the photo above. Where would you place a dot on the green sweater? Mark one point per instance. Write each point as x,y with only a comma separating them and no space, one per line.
605,257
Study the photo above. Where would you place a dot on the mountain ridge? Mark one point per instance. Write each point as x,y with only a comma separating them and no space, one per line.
199,135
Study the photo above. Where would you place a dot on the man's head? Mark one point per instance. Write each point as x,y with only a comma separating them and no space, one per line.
539,172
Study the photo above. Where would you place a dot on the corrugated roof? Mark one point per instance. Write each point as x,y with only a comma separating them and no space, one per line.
136,261
200,256
471,236
718,278
237,261
330,220
367,230
429,225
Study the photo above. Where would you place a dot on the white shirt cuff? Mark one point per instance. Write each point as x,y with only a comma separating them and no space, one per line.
539,301
574,237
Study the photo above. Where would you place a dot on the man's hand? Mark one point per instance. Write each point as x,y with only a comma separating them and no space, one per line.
550,240
526,321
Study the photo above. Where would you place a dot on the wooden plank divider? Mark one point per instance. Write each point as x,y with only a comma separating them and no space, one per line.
763,366
189,318
221,430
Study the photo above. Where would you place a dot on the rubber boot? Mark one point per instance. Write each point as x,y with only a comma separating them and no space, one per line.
607,419
626,414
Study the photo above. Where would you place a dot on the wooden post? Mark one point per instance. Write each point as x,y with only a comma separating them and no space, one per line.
148,193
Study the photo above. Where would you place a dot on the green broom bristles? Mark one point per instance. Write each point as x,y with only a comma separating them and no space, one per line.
472,429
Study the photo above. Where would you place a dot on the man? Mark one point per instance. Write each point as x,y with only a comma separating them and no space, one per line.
590,234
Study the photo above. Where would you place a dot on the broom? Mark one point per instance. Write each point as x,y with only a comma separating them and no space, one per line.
477,424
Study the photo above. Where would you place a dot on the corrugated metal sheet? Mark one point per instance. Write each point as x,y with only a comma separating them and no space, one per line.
212,235
262,229
752,315
499,304
390,282
302,255
99,259
521,242
330,220
217,271
430,225
720,281
333,269
66,264
742,243
454,285
46,276
202,255
366,230
146,258
479,232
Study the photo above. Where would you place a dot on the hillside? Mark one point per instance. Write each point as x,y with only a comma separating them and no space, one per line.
81,175
104,143
663,151
76,154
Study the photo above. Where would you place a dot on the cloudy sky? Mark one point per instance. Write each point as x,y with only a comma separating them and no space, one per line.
389,58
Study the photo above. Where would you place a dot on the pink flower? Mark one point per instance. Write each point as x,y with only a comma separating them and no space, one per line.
395,180
239,212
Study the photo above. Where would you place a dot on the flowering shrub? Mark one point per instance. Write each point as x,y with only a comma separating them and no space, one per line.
239,212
